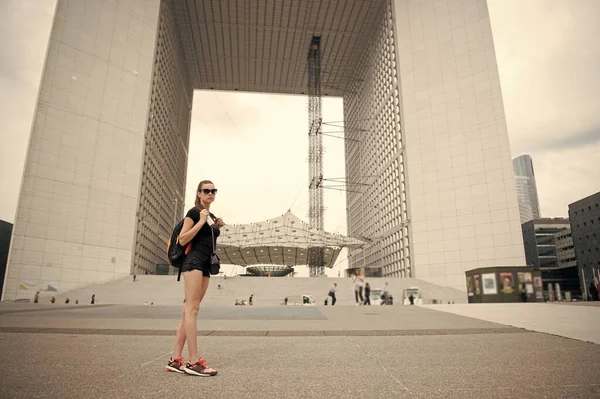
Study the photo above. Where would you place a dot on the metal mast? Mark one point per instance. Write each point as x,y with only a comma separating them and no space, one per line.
315,153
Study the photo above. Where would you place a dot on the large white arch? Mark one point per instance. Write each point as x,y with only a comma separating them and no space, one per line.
428,160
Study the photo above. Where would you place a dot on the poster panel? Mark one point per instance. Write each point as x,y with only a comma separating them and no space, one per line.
507,283
489,284
524,277
477,284
529,288
470,287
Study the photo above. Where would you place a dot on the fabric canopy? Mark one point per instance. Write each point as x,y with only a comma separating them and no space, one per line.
283,240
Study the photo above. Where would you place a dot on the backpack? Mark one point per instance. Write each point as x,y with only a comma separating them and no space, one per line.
175,251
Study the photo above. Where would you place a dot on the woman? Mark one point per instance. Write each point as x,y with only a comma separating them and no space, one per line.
198,228
358,288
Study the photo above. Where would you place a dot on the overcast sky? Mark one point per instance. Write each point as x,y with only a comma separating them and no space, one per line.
549,61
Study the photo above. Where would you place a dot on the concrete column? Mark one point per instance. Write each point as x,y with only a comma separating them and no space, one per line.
76,216
461,189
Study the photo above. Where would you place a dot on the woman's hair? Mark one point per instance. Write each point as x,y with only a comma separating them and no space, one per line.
197,202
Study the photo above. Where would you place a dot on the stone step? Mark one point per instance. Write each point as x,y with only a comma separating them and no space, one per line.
268,291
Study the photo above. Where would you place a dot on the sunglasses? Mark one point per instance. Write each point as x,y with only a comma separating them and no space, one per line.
207,191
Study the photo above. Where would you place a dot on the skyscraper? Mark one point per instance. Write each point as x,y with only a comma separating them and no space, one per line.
529,205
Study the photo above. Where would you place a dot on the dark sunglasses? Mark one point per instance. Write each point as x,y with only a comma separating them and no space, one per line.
207,191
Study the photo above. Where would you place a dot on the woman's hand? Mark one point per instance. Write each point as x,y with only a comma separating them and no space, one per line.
204,215
220,222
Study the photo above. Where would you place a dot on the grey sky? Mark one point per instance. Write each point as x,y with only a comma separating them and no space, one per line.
548,57
549,62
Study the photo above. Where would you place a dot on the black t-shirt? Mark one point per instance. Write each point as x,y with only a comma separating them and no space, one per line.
202,242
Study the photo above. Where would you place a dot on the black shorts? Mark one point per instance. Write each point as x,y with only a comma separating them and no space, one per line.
195,261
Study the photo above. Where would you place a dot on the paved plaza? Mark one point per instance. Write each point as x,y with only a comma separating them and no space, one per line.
288,352
577,320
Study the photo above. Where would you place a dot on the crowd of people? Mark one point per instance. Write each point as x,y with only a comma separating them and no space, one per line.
243,302
362,292
36,299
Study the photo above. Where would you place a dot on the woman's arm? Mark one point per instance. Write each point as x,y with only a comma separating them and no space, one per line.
189,229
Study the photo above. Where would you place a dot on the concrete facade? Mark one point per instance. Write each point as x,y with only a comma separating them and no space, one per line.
424,121
425,110
585,224
565,250
76,217
462,204
539,240
549,247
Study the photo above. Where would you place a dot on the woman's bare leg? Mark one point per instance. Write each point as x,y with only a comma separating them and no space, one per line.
193,292
205,282
180,337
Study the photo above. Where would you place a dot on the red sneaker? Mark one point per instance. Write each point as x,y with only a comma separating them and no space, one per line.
176,365
199,368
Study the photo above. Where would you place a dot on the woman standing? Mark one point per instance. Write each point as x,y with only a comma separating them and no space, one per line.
358,288
201,228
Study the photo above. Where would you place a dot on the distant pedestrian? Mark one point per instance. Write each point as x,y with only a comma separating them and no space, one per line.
367,295
76,301
523,293
411,299
358,288
36,297
250,299
332,293
93,298
385,295
593,292
219,287
53,300
285,300
134,277
67,300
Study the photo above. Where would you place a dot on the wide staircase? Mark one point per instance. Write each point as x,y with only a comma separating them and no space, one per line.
267,291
